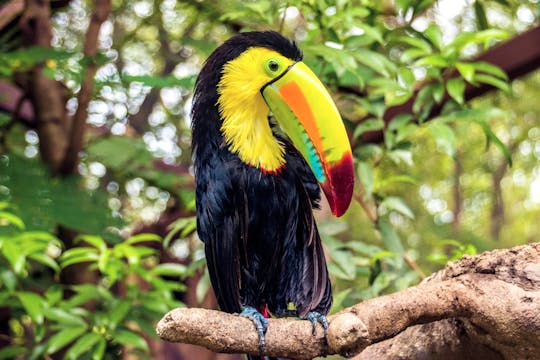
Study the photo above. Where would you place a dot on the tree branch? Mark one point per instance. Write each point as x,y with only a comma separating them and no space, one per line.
48,97
496,293
102,9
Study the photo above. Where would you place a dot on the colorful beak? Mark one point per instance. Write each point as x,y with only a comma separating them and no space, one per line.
307,114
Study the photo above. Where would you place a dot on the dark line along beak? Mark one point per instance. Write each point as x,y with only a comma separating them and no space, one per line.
307,114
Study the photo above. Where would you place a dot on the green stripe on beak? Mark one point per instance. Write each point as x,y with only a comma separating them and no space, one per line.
307,114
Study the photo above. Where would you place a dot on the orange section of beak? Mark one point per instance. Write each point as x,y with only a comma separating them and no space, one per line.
307,114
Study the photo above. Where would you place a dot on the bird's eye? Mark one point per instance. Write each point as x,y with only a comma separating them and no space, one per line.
272,66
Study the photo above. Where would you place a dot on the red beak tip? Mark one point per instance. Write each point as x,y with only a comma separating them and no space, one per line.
340,185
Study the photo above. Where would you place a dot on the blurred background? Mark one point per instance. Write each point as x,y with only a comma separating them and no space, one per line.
97,227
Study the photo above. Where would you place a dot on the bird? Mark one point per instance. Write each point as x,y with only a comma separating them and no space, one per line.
266,137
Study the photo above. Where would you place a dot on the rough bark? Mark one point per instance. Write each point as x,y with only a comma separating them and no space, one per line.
485,306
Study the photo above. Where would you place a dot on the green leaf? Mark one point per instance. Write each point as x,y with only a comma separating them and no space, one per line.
129,338
64,337
389,237
184,226
77,252
12,352
368,125
45,260
472,115
8,218
139,238
54,294
397,179
342,259
371,31
419,44
478,37
466,70
493,81
362,248
103,260
444,136
423,103
119,312
93,240
489,68
397,204
33,304
437,92
82,345
365,173
492,138
399,122
99,350
406,78
456,88
127,251
481,18
64,317
339,298
75,258
119,153
169,269
435,60
479,116
412,54
8,279
202,287
434,34
13,254
375,61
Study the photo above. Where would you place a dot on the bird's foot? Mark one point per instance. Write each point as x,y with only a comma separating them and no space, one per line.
316,317
261,324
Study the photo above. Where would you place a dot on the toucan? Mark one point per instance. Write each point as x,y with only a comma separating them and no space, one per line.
266,136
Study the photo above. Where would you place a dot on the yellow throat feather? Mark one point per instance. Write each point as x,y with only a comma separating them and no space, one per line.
245,114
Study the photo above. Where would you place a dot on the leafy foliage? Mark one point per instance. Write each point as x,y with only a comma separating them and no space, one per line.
425,195
96,319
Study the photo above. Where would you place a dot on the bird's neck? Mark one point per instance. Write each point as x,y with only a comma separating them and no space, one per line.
247,133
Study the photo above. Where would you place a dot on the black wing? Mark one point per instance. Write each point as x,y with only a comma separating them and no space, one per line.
303,277
316,294
221,227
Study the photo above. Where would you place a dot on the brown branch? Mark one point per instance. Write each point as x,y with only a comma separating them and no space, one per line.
102,9
369,210
495,296
413,265
47,96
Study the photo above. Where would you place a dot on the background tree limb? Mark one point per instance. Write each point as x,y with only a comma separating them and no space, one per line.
493,299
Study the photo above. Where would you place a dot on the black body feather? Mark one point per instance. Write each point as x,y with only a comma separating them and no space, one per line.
261,241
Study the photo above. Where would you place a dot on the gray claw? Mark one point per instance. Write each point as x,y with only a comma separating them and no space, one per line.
316,317
260,322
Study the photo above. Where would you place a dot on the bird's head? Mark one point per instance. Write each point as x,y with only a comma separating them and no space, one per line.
257,73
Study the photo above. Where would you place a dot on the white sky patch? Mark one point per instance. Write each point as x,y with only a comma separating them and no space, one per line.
334,45
291,12
451,8
142,9
525,14
534,190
